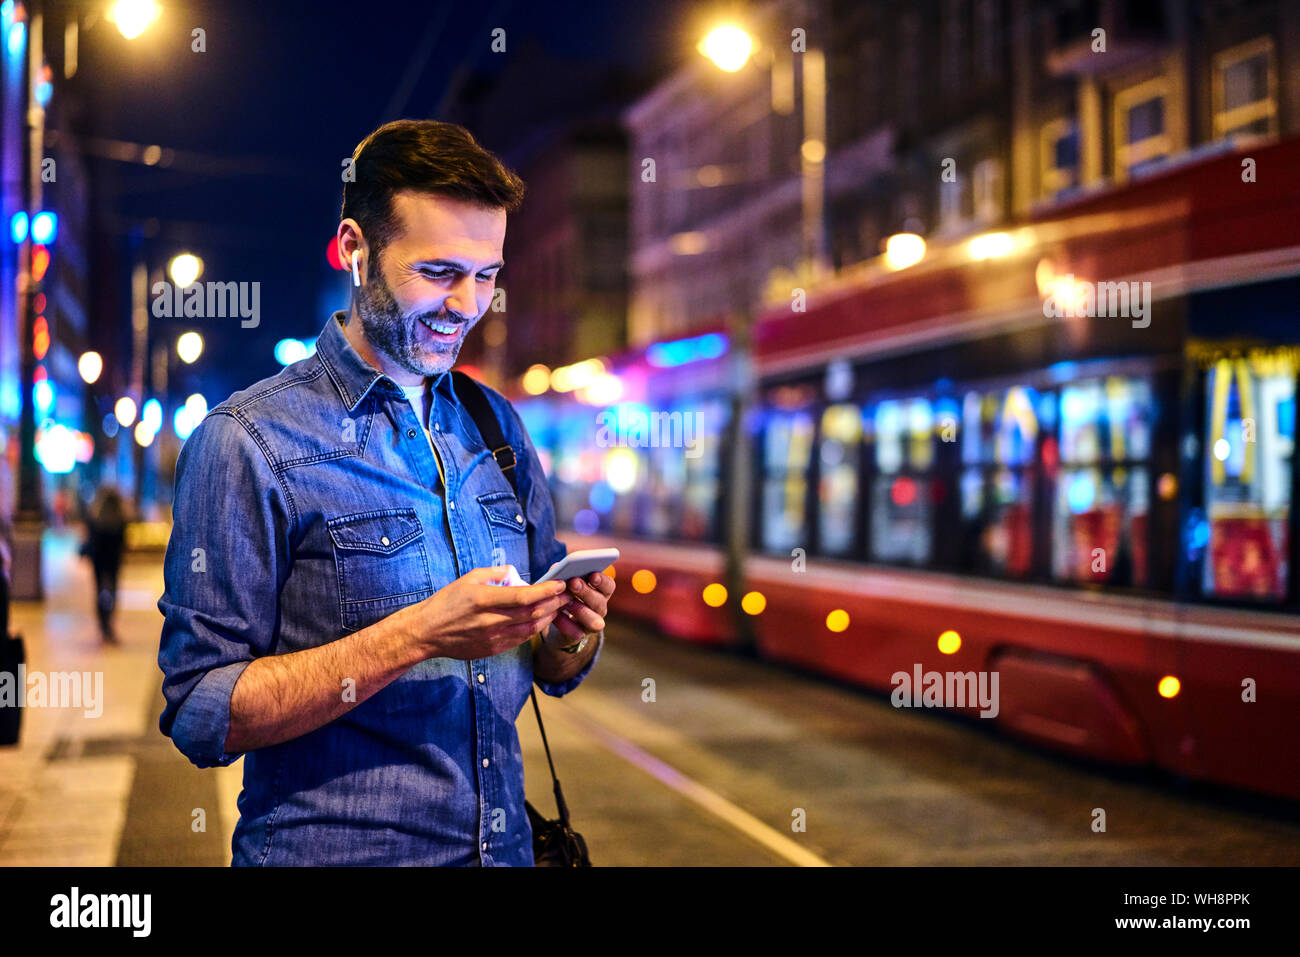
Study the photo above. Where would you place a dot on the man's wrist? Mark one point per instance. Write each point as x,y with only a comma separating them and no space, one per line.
554,640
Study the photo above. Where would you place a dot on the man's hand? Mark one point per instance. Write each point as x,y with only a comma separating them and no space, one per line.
584,614
582,617
475,618
280,697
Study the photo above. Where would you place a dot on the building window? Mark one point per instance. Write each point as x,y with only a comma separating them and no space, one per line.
1245,90
988,39
953,62
986,186
1059,157
1142,137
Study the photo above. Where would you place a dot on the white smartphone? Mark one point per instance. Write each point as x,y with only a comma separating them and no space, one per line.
580,564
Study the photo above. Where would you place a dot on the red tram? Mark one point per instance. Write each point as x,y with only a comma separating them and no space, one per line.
950,472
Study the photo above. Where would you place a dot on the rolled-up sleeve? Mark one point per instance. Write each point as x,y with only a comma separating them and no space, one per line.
544,549
225,562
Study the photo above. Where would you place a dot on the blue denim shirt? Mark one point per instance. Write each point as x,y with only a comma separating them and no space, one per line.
310,506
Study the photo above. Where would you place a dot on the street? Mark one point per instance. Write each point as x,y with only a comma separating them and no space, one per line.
668,754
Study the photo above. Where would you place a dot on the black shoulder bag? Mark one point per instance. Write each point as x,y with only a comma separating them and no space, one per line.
555,843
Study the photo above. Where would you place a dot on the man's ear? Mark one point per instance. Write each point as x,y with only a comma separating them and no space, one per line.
354,251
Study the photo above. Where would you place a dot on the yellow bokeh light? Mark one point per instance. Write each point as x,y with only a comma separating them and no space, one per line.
715,595
728,46
1167,486
1169,686
644,581
133,16
189,347
621,469
753,603
125,411
185,269
838,620
949,642
903,250
990,245
537,379
90,365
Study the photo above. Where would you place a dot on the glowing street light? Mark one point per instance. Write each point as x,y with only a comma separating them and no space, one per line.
125,411
903,250
90,365
133,16
728,46
185,269
189,347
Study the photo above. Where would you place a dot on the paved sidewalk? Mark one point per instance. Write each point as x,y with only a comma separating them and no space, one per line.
102,790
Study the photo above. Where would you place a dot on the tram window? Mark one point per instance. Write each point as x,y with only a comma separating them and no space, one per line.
666,468
1249,450
1099,526
841,442
701,458
786,449
901,510
1000,435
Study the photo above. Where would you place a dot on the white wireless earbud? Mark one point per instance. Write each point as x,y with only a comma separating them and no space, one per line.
356,273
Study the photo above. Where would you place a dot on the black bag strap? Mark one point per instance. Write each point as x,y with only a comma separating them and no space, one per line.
480,410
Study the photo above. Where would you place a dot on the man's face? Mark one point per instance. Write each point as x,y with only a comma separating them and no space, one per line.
432,282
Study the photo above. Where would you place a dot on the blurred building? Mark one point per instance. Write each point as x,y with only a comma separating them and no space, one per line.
44,277
565,279
943,118
566,249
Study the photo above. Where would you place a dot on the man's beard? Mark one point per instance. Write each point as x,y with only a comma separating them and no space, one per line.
397,337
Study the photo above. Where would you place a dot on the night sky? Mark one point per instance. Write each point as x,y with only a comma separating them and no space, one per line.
262,120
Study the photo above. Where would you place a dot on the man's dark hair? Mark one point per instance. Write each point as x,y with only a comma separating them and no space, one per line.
427,156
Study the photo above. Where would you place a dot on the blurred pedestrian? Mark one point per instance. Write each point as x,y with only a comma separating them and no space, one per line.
105,540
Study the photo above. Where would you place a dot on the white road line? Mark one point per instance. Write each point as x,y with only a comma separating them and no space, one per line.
694,791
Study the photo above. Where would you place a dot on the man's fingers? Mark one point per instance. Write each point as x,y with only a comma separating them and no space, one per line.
531,594
602,583
518,633
516,598
587,595
565,626
589,620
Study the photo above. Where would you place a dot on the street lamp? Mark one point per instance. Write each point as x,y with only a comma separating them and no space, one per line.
185,269
729,48
133,16
189,347
90,365
125,410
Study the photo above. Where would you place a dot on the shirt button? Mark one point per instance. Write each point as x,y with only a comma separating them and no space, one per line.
519,518
437,426
384,540
481,679
452,506
410,433
485,845
485,762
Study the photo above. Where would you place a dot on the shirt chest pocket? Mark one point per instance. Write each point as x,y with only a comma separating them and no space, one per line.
508,531
381,562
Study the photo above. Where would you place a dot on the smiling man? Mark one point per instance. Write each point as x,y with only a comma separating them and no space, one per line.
330,607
